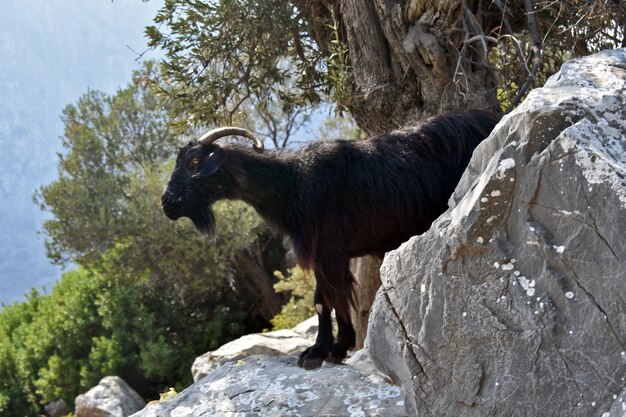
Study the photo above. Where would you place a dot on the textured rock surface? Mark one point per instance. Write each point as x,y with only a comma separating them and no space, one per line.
278,343
619,406
57,409
112,397
274,386
513,303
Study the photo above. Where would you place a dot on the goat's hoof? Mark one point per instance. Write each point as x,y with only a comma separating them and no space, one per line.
311,358
335,359
312,363
338,353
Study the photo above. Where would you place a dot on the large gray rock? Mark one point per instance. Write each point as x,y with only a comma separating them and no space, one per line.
112,397
265,386
514,302
276,343
256,375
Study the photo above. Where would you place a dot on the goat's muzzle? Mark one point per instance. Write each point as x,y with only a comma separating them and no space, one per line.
171,205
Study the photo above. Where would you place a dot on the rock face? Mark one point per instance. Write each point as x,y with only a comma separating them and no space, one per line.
514,302
265,386
277,343
112,397
619,407
257,375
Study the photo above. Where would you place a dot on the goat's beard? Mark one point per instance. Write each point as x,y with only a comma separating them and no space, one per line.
204,220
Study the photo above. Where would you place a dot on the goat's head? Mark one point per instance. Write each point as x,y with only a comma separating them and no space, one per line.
199,179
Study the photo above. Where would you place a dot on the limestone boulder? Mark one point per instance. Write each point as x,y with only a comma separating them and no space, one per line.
57,409
112,397
276,343
514,302
270,386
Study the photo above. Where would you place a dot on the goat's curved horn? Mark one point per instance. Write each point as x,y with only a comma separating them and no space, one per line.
213,135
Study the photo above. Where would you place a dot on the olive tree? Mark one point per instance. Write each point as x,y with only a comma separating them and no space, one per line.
385,62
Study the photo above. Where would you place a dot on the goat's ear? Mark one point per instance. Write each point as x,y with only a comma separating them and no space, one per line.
210,163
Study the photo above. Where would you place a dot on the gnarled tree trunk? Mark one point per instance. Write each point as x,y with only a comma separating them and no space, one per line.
256,283
406,67
366,272
405,61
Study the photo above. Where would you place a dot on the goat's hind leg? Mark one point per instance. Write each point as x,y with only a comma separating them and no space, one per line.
346,339
314,356
335,274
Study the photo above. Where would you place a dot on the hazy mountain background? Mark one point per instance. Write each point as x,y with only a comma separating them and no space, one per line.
51,52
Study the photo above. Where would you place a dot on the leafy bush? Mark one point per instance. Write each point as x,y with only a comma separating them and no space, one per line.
110,319
149,295
48,338
301,285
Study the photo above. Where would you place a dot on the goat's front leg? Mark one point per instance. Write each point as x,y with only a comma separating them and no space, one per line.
313,356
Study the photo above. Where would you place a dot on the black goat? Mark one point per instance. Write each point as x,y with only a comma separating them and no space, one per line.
335,199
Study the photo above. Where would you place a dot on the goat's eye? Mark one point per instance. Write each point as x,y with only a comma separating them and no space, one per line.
194,161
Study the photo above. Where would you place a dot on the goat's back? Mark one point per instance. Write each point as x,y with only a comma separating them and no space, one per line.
373,194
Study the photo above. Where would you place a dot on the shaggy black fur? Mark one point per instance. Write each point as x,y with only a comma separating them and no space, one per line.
335,199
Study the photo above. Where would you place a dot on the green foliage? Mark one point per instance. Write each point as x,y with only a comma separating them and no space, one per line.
149,294
528,41
167,395
339,74
44,335
107,320
301,285
221,54
340,127
109,140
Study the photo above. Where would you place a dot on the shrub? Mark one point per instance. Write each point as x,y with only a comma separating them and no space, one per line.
301,285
